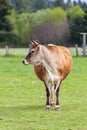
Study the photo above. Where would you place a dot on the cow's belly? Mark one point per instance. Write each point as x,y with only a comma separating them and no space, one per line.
43,75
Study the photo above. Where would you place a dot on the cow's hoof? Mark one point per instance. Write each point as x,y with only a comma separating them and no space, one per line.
48,107
57,107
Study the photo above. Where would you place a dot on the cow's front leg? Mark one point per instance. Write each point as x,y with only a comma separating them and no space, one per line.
48,96
57,107
52,95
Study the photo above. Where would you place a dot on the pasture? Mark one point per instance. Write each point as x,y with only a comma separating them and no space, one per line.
22,97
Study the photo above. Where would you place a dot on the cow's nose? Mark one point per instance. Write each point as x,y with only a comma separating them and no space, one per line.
23,61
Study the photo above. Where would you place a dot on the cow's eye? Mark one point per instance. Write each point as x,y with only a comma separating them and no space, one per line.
32,52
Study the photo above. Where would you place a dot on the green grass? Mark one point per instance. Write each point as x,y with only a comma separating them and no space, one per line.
22,98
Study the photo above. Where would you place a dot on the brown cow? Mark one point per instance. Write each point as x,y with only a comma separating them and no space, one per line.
52,64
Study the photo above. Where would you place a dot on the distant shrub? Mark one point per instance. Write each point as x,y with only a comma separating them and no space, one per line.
8,38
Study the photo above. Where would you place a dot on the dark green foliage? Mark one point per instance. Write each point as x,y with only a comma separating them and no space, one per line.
59,3
5,9
85,21
22,6
79,25
5,25
28,5
38,5
69,4
34,5
76,30
9,38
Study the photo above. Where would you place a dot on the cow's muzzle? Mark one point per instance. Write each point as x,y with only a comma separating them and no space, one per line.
25,62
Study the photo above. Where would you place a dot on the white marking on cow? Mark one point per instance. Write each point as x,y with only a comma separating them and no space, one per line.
25,62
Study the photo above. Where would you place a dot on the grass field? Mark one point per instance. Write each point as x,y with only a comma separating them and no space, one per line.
22,98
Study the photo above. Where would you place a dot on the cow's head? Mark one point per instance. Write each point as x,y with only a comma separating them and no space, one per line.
33,56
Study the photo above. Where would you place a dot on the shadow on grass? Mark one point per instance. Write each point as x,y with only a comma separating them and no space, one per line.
23,107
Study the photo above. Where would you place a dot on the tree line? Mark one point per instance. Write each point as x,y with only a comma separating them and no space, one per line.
48,21
34,5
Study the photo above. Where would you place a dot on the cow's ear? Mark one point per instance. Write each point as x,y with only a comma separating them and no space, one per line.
34,44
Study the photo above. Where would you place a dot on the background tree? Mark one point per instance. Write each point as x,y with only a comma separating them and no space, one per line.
69,4
75,37
75,3
74,12
49,3
59,3
83,4
38,5
28,5
78,24
50,25
35,5
5,10
85,21
43,20
21,6
5,24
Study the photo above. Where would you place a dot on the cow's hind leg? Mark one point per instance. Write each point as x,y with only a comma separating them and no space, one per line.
57,107
48,95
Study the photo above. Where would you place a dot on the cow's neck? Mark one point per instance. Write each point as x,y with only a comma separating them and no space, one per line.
52,73
47,62
46,59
